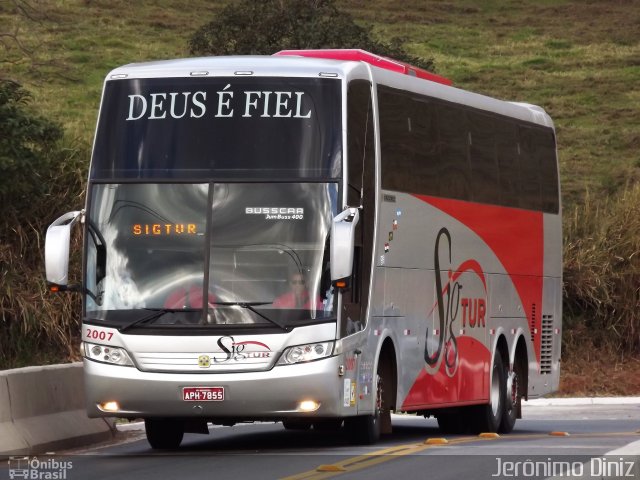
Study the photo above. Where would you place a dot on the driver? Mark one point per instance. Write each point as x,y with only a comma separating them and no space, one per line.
298,295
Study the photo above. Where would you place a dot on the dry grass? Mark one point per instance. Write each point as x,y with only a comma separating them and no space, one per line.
602,273
595,370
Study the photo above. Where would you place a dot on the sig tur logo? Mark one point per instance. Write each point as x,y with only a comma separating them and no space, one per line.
233,351
442,344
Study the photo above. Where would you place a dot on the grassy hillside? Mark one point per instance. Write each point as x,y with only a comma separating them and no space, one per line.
580,60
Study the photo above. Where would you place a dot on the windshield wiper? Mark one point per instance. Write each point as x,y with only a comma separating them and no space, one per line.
156,314
249,306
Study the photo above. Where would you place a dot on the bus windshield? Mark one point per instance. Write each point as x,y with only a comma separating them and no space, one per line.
210,201
210,254
213,128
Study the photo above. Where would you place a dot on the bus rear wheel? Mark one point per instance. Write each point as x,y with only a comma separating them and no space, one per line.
164,433
487,418
513,397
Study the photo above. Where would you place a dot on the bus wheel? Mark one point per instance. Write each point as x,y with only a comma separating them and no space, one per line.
365,429
487,417
328,425
164,433
513,397
296,425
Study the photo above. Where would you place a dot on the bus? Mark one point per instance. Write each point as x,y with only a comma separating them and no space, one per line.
316,238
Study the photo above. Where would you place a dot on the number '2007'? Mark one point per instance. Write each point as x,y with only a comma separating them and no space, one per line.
99,334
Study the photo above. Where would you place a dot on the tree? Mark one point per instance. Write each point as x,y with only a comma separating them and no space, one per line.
38,174
263,27
26,143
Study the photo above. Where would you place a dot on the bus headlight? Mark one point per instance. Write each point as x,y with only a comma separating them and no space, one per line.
105,354
306,353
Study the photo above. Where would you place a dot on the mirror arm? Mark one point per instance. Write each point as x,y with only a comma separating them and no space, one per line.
76,287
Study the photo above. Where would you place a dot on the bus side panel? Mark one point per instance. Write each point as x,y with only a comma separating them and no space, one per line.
445,363
553,294
544,374
491,267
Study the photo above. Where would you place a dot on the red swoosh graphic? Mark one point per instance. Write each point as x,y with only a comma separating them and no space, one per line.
249,342
466,266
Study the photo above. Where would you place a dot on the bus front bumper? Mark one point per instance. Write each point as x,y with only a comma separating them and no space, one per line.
265,395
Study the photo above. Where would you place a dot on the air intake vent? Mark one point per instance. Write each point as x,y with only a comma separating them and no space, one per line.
532,323
546,345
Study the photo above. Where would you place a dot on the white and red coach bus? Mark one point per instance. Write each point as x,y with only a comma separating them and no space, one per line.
317,238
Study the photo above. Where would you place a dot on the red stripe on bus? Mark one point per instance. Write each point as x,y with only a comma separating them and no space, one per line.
250,342
518,244
470,382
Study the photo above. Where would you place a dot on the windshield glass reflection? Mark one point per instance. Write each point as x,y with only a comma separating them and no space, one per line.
240,254
269,246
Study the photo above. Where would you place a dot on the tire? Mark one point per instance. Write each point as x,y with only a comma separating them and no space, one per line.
365,429
488,417
296,425
164,433
328,425
513,397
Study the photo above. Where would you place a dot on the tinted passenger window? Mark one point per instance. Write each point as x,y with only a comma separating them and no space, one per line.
529,169
482,156
395,134
438,148
508,160
453,136
546,148
428,167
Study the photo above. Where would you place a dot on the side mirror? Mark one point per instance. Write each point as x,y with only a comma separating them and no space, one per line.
56,249
343,231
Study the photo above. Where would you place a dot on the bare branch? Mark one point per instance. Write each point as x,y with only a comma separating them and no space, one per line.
28,11
16,39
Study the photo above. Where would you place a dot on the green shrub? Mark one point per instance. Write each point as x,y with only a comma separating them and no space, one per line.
39,177
26,141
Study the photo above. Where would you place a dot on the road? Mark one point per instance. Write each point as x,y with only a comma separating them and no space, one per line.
266,450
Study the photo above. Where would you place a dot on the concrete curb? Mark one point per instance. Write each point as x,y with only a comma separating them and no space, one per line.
540,402
42,409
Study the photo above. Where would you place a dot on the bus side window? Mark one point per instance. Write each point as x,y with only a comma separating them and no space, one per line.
454,138
529,169
508,164
482,156
546,152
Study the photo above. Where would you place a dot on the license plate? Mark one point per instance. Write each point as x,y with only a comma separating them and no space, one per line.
203,394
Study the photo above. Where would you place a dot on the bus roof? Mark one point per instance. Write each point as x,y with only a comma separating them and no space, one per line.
329,63
358,55
262,65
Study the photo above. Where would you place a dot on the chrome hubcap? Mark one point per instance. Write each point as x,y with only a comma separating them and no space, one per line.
378,396
512,390
495,393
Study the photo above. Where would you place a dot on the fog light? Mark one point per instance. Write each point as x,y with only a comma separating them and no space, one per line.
109,406
308,406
